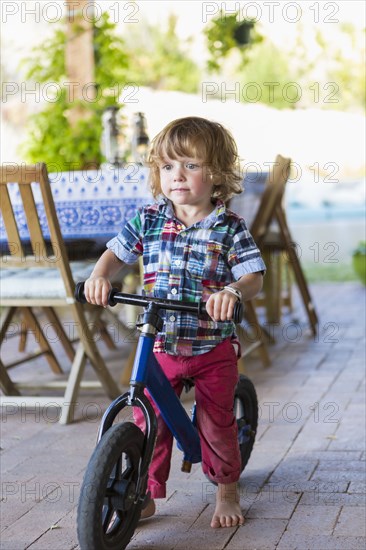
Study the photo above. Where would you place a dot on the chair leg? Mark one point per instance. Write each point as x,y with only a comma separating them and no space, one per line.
105,335
34,325
116,321
73,385
6,384
252,318
61,334
288,283
31,323
298,272
272,286
127,371
241,365
278,290
86,350
5,321
91,350
23,336
121,331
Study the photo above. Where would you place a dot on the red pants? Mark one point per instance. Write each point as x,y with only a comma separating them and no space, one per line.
215,374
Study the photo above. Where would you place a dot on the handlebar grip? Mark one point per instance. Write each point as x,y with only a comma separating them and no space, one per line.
111,294
238,313
80,296
79,293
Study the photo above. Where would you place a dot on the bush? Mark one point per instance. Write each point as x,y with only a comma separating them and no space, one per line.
51,136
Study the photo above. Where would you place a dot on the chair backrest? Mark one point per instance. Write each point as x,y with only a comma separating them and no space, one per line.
32,180
271,198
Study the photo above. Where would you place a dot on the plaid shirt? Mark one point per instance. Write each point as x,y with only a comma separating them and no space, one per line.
188,264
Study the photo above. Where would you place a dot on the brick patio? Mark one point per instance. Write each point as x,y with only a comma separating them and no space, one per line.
304,487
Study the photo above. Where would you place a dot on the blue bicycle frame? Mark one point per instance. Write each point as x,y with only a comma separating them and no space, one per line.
147,371
148,374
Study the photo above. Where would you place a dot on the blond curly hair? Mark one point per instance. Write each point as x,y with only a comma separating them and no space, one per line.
199,138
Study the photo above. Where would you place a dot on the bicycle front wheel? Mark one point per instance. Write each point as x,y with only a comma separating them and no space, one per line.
107,512
246,413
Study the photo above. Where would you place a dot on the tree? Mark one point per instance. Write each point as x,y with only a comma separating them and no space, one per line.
264,81
348,68
160,59
225,34
241,46
52,137
316,70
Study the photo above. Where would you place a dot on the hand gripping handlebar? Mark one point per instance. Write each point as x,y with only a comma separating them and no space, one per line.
115,297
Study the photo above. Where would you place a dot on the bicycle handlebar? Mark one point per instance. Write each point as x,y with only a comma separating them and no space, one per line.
115,297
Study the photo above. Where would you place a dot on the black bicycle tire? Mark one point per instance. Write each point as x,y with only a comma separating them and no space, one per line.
120,438
245,392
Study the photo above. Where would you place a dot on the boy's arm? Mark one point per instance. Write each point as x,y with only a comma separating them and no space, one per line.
98,285
220,306
249,285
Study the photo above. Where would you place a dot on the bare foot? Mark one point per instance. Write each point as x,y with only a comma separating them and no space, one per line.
227,512
149,509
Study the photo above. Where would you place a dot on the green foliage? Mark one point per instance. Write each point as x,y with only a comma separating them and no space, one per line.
315,62
255,67
47,62
222,37
111,59
51,137
261,70
160,60
348,71
335,66
361,249
359,261
161,63
315,273
55,141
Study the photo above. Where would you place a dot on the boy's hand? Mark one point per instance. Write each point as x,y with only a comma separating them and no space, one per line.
96,290
220,306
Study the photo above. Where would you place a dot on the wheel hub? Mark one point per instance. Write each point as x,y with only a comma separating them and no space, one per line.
122,494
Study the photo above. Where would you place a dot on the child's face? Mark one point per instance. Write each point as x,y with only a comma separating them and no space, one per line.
184,181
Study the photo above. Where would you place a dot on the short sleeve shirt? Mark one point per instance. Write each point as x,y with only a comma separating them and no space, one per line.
188,264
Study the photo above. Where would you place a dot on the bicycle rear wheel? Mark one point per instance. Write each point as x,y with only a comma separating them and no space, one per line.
246,413
107,512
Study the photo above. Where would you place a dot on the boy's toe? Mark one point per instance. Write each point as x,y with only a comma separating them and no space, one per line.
215,523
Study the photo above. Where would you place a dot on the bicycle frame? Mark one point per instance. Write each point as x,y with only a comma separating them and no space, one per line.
148,374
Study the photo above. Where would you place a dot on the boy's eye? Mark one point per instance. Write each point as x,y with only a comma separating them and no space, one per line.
165,167
192,166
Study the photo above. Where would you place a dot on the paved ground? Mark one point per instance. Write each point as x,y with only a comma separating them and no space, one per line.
304,487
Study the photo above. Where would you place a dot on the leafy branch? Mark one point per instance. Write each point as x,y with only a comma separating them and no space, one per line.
225,33
51,135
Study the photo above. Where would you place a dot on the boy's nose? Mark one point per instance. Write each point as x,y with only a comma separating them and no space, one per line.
178,174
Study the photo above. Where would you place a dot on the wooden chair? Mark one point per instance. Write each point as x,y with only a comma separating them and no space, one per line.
44,279
279,240
253,338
